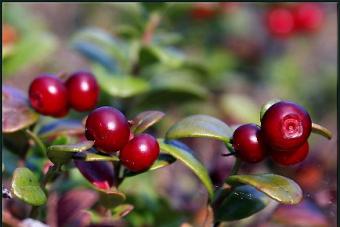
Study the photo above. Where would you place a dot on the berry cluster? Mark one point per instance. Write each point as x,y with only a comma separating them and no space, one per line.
285,128
110,131
286,20
50,96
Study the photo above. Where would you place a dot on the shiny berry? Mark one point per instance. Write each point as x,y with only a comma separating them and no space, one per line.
109,129
48,96
291,157
82,91
247,145
308,17
285,125
280,22
140,153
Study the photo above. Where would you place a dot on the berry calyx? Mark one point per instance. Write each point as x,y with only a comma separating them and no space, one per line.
285,126
109,129
48,96
291,157
247,145
140,153
82,91
280,22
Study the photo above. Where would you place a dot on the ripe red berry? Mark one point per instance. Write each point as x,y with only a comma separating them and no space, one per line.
204,10
140,153
285,125
280,22
48,96
109,129
291,157
247,145
82,91
308,16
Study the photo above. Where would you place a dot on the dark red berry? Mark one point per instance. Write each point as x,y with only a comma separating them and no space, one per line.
247,145
48,96
308,17
291,157
204,10
280,22
140,153
82,91
109,129
285,125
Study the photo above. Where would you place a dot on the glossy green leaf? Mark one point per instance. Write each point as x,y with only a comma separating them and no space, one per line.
26,187
243,201
279,188
91,156
153,54
146,119
111,198
200,126
60,154
189,160
16,111
120,86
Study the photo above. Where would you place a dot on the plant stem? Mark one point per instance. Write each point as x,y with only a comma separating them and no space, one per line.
316,128
37,141
151,26
34,212
236,167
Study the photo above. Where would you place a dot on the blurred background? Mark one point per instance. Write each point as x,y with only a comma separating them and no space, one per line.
221,59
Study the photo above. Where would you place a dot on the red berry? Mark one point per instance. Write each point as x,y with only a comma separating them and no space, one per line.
308,16
204,10
82,91
48,96
285,125
109,129
280,22
140,153
291,157
247,144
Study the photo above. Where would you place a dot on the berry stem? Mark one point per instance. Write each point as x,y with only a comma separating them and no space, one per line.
236,167
318,129
37,141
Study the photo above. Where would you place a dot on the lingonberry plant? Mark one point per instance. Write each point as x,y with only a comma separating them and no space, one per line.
110,141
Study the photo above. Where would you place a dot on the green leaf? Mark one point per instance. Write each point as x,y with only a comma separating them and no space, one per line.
61,154
111,198
16,111
153,54
121,211
120,86
92,155
279,188
146,119
153,6
32,49
26,187
189,160
200,126
243,201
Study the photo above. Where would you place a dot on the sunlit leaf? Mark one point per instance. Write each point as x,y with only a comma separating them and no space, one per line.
146,119
200,126
26,187
279,188
92,155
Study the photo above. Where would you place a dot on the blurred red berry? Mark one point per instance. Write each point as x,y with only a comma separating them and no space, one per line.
9,34
308,16
280,22
204,10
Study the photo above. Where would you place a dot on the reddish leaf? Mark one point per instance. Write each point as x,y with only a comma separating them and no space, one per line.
16,111
100,173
